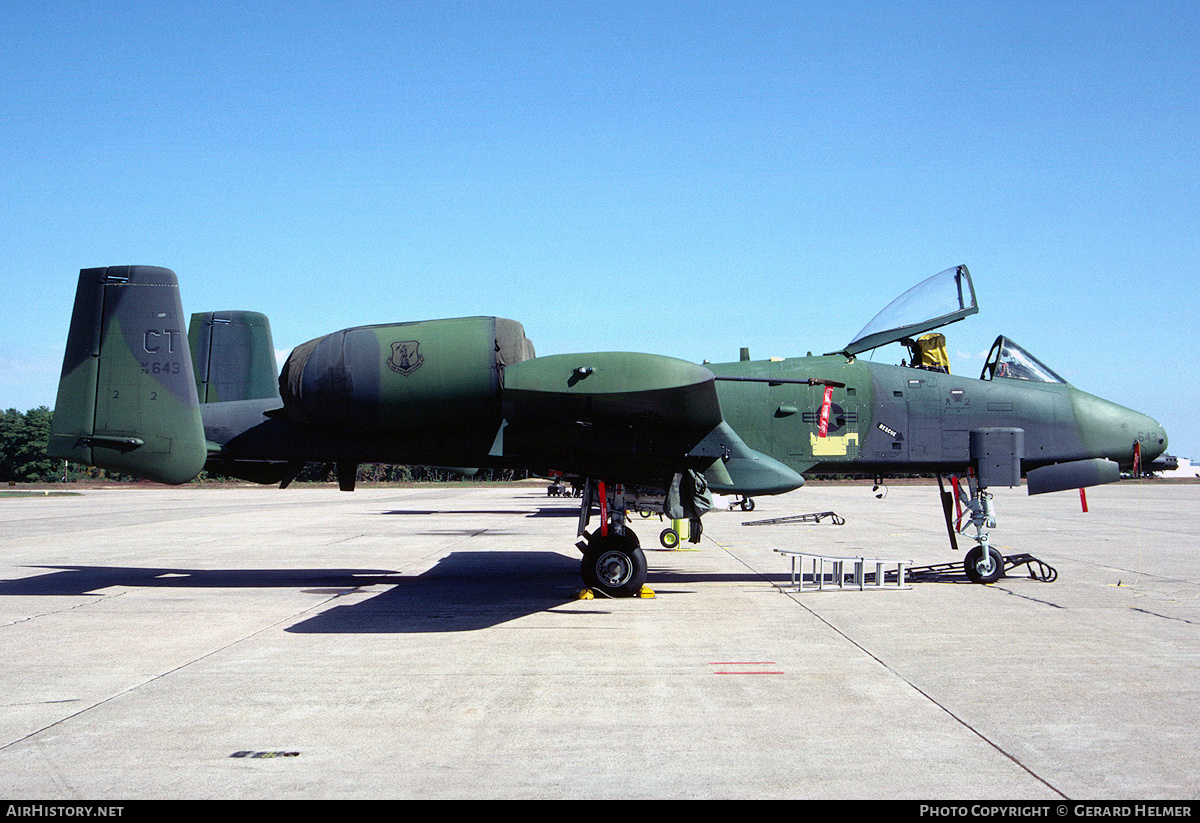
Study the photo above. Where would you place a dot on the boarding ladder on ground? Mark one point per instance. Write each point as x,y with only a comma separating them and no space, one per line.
859,573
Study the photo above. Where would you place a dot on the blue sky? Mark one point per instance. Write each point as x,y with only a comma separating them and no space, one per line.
679,178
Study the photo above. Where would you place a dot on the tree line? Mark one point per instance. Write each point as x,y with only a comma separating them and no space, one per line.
23,439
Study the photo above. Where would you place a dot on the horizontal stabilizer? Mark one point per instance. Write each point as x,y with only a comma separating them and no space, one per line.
1074,475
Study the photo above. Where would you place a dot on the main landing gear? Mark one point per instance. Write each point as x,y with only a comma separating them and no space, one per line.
613,561
614,564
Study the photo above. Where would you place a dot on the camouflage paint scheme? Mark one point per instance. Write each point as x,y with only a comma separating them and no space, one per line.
469,392
134,409
888,419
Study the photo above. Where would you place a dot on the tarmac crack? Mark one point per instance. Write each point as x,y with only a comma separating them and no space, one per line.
1039,600
167,673
48,613
1164,616
926,695
933,700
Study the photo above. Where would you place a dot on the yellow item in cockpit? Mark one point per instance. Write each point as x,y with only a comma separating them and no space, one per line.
933,353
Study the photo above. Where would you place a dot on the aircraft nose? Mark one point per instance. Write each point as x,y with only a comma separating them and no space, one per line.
1112,431
1155,443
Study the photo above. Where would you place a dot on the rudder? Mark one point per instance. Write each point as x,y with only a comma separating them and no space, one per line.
127,395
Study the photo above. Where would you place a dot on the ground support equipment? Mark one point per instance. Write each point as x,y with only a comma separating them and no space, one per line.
842,572
815,517
1038,569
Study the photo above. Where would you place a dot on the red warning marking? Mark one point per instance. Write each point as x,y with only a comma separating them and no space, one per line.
740,664
823,423
743,663
603,508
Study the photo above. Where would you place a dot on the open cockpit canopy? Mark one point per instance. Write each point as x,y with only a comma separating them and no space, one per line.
1009,361
931,304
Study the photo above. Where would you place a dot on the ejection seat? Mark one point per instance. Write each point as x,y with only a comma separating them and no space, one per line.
928,352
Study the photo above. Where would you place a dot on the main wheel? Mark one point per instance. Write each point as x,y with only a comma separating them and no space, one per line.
984,570
614,565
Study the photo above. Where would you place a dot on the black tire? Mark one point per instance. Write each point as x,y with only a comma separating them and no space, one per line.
669,538
614,565
748,504
596,536
979,571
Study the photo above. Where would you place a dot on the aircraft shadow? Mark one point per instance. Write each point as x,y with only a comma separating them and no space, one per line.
465,591
543,511
81,580
455,511
556,511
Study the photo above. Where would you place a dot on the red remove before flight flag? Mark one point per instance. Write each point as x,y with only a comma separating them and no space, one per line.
823,426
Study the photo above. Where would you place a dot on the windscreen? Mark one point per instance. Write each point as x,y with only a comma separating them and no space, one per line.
1009,361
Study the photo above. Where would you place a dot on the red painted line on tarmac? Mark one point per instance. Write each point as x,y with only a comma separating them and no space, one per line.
747,663
743,663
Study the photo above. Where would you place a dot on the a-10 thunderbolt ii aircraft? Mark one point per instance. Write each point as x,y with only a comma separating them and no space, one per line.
646,432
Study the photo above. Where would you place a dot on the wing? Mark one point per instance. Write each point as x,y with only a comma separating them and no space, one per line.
629,417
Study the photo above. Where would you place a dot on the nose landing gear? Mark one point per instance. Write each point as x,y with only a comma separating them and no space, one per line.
983,564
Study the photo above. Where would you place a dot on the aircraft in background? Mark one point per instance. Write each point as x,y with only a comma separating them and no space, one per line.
647,432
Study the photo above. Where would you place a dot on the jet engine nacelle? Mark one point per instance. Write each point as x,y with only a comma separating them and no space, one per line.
431,374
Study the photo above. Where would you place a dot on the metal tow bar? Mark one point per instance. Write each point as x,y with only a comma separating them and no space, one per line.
1038,569
815,517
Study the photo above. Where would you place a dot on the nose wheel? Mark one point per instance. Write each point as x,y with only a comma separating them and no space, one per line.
983,564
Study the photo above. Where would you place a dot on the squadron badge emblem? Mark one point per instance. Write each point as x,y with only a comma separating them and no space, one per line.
405,358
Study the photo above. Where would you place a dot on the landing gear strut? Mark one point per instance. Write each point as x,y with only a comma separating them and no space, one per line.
613,561
983,564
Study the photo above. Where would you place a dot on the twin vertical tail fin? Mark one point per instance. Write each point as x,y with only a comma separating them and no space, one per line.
127,395
233,355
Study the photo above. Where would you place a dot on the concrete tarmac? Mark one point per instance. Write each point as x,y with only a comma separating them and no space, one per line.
427,643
